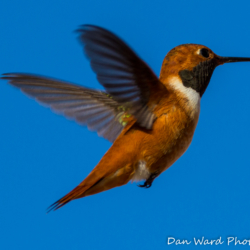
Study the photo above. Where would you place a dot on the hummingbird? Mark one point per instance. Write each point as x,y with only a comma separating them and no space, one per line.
150,120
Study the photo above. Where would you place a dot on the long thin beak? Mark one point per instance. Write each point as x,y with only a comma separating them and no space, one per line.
222,60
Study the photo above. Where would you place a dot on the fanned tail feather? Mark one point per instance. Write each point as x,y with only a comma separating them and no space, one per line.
72,195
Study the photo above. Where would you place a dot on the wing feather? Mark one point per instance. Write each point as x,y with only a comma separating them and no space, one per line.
127,78
87,107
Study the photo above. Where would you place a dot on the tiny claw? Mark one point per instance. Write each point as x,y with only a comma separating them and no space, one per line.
149,181
145,185
142,186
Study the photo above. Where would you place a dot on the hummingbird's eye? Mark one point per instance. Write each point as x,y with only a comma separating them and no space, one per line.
204,53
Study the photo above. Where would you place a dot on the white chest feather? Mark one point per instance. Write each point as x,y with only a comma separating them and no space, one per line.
190,94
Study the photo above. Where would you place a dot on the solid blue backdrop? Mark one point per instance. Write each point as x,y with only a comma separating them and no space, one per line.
43,155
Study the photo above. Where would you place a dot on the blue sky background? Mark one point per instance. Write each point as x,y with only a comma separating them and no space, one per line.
43,156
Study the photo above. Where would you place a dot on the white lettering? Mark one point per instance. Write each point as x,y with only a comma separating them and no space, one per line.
171,238
244,242
229,240
198,241
183,242
219,241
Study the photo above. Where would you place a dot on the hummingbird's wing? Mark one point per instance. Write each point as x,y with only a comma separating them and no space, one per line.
87,107
127,78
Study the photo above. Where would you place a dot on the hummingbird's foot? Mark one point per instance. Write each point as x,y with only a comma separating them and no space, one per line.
145,185
149,181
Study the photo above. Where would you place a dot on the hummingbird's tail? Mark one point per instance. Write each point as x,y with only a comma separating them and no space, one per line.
97,181
65,199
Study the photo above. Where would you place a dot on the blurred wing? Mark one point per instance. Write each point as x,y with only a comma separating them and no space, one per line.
87,107
127,78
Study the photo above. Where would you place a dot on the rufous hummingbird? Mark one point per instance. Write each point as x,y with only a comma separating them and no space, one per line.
150,120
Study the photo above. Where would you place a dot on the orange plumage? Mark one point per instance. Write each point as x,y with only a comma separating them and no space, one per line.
151,121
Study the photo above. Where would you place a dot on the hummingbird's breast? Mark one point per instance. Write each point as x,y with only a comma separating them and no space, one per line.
174,128
178,147
156,151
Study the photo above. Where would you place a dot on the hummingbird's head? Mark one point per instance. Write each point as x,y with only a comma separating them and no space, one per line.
194,65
